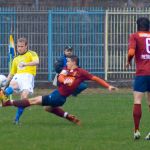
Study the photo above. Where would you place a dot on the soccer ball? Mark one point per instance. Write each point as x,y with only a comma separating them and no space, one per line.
3,80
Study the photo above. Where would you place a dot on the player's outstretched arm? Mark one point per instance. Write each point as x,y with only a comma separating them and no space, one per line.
103,83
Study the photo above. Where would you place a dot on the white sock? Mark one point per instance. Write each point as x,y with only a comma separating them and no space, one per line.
65,114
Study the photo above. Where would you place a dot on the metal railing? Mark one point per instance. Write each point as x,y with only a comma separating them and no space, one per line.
99,37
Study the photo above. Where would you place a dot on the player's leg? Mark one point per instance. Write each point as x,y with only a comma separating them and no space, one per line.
148,102
25,87
137,113
55,100
58,111
20,110
148,99
15,87
80,88
24,103
140,86
4,94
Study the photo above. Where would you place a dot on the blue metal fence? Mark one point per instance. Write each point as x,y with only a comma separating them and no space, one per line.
82,29
30,24
48,32
7,26
99,37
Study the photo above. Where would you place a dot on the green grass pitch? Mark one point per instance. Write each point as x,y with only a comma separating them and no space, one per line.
106,125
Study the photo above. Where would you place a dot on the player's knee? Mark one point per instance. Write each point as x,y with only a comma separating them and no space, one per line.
137,100
36,100
14,84
47,108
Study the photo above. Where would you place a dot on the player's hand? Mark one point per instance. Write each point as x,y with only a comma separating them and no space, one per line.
128,65
22,64
111,88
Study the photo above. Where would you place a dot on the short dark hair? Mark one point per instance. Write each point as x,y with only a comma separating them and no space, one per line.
68,48
75,59
143,24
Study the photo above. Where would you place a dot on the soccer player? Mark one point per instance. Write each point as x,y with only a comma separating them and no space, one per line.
69,79
61,63
22,73
139,47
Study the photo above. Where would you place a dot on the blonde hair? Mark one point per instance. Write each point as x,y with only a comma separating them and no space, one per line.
22,40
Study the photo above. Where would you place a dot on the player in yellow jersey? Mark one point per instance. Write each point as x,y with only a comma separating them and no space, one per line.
22,73
21,80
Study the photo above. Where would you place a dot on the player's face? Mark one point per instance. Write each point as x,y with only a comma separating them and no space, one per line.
68,53
70,64
21,47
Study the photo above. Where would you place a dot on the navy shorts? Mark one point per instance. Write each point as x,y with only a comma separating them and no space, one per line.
142,84
54,99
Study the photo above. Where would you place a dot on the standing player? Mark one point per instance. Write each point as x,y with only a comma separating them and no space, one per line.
69,79
22,73
139,47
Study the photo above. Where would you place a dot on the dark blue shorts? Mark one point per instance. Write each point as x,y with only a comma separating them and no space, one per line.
54,99
142,84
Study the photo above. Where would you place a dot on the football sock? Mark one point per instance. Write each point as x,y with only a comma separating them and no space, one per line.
21,103
7,103
17,103
9,91
58,111
19,113
137,113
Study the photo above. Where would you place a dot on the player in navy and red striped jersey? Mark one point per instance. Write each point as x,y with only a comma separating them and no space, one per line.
139,47
69,79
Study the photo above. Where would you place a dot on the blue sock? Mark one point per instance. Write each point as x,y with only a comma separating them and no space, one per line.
19,113
9,91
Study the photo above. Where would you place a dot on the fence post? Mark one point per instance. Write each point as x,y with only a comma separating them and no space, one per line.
50,59
106,46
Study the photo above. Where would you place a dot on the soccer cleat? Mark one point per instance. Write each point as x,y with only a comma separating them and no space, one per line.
137,135
148,136
3,97
73,119
16,122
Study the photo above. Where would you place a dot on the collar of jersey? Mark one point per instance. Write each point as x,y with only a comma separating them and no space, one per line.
24,52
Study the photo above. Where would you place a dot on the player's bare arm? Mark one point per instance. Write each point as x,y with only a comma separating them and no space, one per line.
131,54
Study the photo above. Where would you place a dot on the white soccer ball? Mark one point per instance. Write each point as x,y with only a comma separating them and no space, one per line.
3,80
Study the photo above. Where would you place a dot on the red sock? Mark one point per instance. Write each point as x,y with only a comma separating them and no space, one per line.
21,103
137,113
7,103
58,111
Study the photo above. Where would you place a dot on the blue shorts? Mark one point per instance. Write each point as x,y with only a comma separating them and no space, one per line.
54,99
142,84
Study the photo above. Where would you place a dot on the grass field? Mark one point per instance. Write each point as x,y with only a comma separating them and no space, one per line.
106,125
